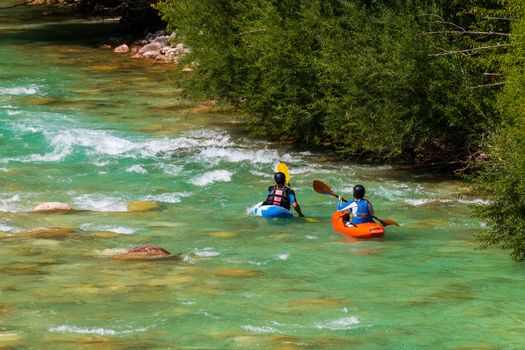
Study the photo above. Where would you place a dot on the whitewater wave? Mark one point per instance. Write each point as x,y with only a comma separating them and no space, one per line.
99,202
10,204
171,169
209,146
174,197
236,155
425,201
138,169
211,177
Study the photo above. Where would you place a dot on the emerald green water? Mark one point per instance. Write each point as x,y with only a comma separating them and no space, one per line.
82,125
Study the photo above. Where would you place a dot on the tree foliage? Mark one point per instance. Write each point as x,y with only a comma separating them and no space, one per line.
359,76
502,174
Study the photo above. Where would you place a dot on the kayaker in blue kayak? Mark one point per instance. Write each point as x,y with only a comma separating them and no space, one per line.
360,209
281,195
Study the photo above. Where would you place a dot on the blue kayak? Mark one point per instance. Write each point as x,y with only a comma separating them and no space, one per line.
271,211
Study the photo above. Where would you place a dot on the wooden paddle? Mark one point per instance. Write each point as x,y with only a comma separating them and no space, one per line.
321,187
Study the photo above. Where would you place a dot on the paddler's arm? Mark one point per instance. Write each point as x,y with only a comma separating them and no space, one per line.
343,206
297,208
295,205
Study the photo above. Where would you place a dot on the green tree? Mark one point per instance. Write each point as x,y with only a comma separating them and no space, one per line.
374,79
502,173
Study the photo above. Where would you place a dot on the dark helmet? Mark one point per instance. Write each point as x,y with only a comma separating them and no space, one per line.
359,191
279,178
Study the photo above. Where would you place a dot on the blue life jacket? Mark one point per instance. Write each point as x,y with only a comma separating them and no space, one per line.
362,214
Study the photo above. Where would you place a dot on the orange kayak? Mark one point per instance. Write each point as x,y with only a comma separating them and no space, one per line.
366,230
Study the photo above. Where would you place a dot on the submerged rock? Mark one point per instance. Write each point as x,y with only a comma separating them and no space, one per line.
52,206
49,233
148,249
142,206
7,337
236,272
138,253
105,234
222,234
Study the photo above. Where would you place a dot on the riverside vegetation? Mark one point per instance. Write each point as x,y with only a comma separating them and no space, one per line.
439,84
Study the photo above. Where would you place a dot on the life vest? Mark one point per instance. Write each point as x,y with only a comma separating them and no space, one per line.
278,196
362,213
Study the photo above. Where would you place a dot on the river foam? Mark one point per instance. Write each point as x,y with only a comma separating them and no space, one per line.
261,329
339,324
20,90
96,331
111,228
207,252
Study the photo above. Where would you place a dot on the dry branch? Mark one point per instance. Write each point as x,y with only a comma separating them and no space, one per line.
472,50
486,85
466,32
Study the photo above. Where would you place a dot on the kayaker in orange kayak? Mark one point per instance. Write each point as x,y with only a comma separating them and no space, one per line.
360,210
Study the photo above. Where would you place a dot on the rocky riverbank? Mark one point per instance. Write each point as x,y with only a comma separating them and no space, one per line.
161,47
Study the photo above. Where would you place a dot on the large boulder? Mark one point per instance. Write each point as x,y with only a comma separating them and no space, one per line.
150,54
163,40
52,206
121,49
152,47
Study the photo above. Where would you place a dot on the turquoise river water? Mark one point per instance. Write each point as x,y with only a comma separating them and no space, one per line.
83,125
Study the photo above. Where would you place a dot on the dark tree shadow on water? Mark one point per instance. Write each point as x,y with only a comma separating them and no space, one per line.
31,24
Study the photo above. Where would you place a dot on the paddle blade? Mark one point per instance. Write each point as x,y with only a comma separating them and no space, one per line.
321,187
311,220
386,222
281,167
